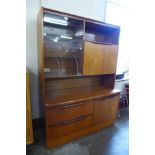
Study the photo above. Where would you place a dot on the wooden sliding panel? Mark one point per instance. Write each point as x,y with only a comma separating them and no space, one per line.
105,109
99,59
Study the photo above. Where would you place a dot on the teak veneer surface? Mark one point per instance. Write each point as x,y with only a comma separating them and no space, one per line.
75,95
68,112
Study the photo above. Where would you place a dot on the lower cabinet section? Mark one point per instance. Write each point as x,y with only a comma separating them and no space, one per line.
94,115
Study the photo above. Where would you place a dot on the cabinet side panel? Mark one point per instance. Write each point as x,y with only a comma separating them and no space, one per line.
99,59
40,53
29,128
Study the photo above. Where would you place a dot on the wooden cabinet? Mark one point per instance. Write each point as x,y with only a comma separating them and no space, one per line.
105,109
29,129
99,59
77,60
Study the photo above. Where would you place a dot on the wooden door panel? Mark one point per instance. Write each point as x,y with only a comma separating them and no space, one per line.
91,64
109,58
99,59
105,109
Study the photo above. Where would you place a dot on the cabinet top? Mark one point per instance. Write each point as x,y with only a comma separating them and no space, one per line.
46,10
80,94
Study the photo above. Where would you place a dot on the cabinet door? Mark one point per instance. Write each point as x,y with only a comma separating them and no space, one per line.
92,59
109,58
105,109
99,59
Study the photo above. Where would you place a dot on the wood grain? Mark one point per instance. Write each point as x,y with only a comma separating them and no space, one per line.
63,130
105,109
108,55
68,112
78,95
29,129
40,44
51,143
64,84
99,59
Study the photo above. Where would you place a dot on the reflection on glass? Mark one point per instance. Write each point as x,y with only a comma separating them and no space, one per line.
63,46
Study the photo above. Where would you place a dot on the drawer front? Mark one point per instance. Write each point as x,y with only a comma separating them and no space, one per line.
68,127
68,112
105,109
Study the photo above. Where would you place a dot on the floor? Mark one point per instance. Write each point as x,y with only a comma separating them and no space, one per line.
110,141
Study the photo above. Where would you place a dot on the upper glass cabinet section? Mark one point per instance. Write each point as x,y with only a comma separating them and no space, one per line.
63,46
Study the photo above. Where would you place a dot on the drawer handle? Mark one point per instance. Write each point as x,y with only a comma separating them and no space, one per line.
106,97
101,43
71,105
68,122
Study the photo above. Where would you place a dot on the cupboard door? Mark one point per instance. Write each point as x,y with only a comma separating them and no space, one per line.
99,59
91,63
109,58
105,109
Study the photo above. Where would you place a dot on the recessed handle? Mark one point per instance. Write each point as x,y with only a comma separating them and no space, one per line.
106,97
68,122
101,43
71,105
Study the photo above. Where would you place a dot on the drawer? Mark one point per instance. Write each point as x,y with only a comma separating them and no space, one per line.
68,127
68,112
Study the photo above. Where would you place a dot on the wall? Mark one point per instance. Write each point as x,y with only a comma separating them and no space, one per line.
32,8
87,8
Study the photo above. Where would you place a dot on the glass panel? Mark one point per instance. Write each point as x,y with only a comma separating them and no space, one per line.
63,46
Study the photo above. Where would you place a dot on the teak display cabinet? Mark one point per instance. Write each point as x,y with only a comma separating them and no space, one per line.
77,60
